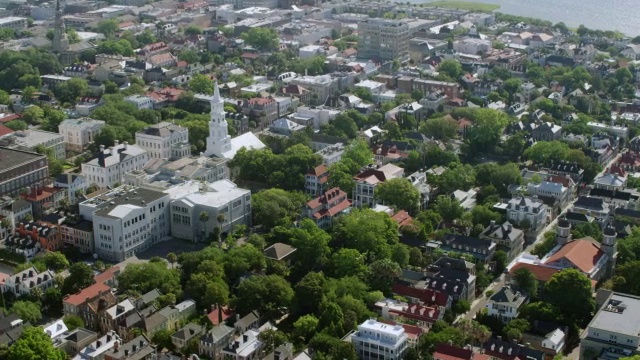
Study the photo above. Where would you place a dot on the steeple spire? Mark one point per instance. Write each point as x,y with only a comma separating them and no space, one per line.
218,141
216,93
60,42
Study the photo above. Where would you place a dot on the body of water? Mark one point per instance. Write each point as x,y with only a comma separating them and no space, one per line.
620,15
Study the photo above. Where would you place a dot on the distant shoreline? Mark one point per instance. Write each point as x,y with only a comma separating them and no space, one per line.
464,5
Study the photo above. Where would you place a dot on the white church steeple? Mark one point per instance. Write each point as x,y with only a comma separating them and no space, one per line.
218,141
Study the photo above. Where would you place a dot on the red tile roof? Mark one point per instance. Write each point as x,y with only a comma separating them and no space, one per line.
616,169
88,293
329,198
9,117
107,275
449,352
541,272
419,313
5,130
214,318
318,170
427,296
168,93
402,218
558,179
583,253
249,55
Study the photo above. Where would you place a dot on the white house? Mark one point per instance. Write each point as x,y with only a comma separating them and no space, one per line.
505,304
367,180
140,101
245,347
376,340
74,183
621,131
554,341
127,220
548,189
190,199
110,166
164,141
25,281
531,210
79,133
55,329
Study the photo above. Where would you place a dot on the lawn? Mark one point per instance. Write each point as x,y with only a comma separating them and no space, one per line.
464,5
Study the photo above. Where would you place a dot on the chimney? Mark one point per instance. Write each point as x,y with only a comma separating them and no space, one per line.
116,143
98,344
126,144
493,223
101,156
126,352
116,345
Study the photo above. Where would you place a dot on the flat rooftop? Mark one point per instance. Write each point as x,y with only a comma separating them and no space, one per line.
620,314
124,196
10,158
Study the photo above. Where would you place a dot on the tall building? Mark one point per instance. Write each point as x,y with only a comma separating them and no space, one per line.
127,220
218,141
110,166
614,332
192,198
21,169
165,141
383,39
376,340
32,139
79,133
60,42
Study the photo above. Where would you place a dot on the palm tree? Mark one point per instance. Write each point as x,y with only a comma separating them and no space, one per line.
5,224
204,217
172,258
220,219
64,204
37,293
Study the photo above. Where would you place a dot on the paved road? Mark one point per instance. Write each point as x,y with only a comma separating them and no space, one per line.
479,303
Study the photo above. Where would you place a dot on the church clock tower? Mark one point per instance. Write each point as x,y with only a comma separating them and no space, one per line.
218,141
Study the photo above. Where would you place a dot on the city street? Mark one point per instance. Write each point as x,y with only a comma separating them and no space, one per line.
480,302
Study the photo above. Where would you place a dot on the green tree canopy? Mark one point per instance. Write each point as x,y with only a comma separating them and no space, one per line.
73,322
34,344
27,310
451,68
108,27
143,278
269,295
400,194
526,281
201,84
577,307
367,231
442,128
80,276
265,39
274,207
